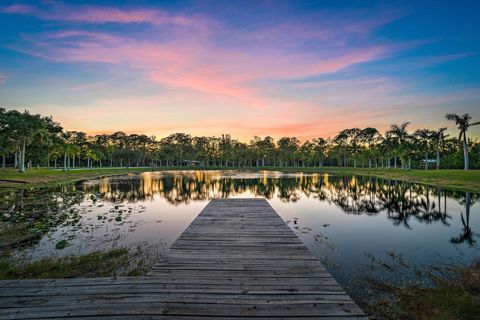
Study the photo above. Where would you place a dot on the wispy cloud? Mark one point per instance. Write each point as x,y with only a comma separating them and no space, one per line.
3,78
59,11
206,65
88,86
425,62
292,75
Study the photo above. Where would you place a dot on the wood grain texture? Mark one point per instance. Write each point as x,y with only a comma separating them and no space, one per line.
237,259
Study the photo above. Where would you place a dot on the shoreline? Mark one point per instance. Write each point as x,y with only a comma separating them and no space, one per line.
452,179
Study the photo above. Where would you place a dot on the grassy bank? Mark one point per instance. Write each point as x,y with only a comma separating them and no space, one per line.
455,179
453,297
47,177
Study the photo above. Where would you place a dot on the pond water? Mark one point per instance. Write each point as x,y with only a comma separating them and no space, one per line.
352,224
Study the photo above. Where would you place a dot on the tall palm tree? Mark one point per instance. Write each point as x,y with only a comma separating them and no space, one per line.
463,123
424,141
438,140
399,137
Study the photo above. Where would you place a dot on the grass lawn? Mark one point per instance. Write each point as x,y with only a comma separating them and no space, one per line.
455,179
47,177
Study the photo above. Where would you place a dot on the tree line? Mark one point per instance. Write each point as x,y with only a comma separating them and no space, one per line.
31,140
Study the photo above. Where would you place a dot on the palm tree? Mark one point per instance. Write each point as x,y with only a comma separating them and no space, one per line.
438,140
463,123
424,141
399,136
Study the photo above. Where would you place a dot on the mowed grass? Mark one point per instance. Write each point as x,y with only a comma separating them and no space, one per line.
454,179
48,177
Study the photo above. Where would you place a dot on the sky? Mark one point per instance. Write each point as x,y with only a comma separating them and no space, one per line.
280,68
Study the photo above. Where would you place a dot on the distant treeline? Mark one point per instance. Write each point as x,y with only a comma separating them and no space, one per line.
29,140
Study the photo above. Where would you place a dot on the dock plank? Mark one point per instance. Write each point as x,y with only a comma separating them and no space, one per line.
237,259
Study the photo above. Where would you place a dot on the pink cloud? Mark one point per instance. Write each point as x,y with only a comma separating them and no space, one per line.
98,15
196,65
18,9
204,81
3,78
193,113
185,59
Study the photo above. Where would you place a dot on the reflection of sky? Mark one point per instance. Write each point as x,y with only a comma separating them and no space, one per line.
350,237
304,68
339,239
152,222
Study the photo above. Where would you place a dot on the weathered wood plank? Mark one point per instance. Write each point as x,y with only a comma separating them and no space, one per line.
238,259
188,308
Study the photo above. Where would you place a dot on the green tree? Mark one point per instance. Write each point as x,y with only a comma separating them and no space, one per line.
24,128
286,148
463,123
320,149
438,140
424,142
371,138
398,137
349,143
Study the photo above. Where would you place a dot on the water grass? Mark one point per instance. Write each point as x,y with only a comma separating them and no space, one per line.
452,298
441,292
113,262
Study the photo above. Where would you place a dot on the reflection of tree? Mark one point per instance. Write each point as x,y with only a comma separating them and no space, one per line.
401,201
467,233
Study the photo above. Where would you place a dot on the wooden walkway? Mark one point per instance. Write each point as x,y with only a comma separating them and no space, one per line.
237,259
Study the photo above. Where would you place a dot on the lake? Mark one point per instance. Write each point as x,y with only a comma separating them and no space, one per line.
359,227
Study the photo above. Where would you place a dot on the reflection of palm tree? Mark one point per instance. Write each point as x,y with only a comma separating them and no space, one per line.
438,209
401,201
467,234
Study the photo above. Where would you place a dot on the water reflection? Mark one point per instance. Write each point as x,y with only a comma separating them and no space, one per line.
467,234
401,201
345,220
42,211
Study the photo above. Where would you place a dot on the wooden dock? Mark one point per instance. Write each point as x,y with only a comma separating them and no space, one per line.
237,259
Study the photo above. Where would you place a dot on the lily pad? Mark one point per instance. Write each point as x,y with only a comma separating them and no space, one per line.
61,244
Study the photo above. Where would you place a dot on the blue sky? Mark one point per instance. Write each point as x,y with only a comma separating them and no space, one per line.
303,68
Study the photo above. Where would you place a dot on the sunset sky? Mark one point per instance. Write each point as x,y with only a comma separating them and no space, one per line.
302,68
